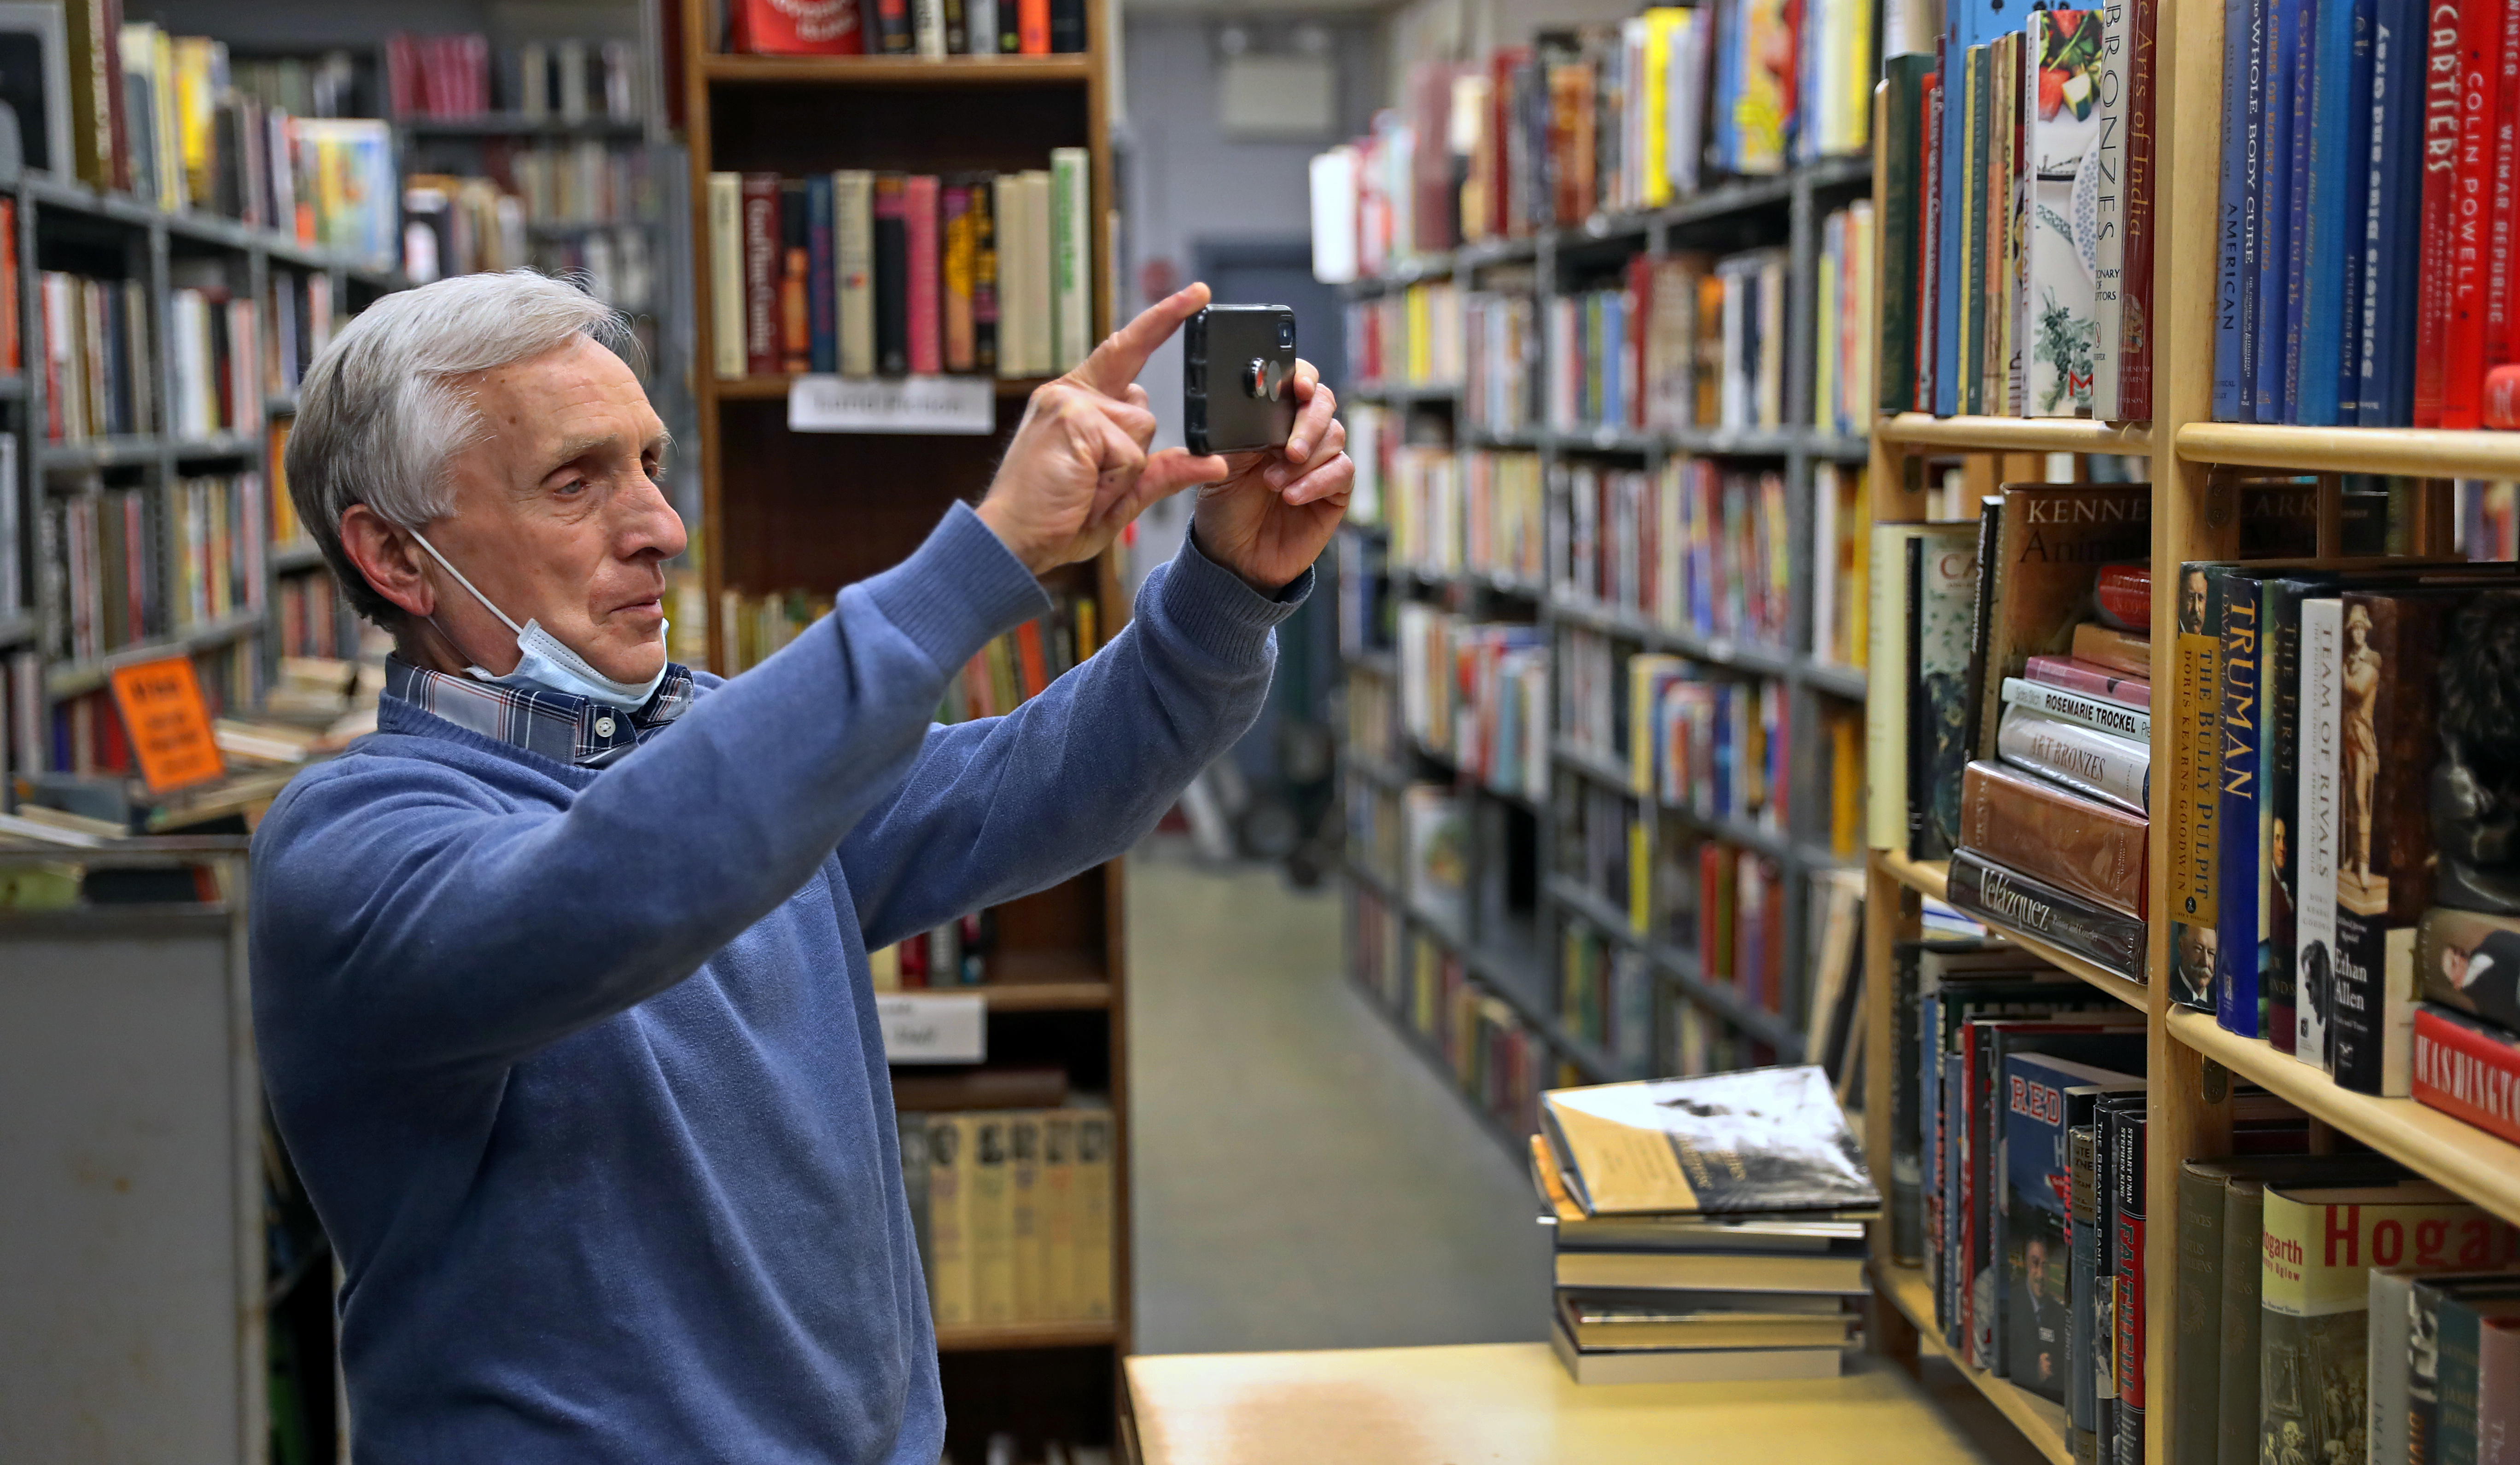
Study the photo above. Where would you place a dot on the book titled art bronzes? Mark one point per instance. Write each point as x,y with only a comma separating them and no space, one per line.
2016,902
2026,824
1760,1139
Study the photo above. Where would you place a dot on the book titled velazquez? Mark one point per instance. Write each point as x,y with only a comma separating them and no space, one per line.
1761,1139
2015,902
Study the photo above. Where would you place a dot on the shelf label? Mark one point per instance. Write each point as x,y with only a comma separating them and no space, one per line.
162,711
967,405
933,1027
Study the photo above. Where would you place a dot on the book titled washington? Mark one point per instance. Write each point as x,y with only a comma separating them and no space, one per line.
1987,891
2468,1070
1760,1139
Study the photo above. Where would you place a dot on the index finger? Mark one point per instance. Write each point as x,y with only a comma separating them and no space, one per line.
1123,353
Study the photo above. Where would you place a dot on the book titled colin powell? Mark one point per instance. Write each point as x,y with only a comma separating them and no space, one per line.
2015,902
1731,1144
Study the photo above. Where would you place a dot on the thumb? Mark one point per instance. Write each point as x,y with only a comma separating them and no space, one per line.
1176,469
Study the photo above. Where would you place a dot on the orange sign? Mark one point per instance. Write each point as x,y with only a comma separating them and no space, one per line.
169,727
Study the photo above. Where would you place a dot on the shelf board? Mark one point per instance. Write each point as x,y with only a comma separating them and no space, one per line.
2414,452
300,555
1399,392
1039,997
68,679
1848,682
773,387
1490,580
100,452
2455,1154
2042,1423
500,124
1073,69
217,445
1933,878
1003,1337
1768,842
1723,650
1993,434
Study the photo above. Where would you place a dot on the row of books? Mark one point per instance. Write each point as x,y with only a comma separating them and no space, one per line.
1681,341
99,572
1594,120
460,76
880,273
932,29
1412,338
99,375
84,734
312,611
953,955
1841,564
1665,1270
1704,896
1476,693
1497,1060
459,224
1691,546
1472,513
1009,670
297,329
1846,297
213,357
1605,995
1998,293
214,548
1013,1211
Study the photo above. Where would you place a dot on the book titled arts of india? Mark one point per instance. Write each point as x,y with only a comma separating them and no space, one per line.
1761,1139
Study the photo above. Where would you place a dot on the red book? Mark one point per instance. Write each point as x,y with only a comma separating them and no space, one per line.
2090,678
2480,61
1431,167
1504,219
2505,205
795,27
2502,395
761,273
1036,672
2468,1070
1032,27
926,336
2125,596
2135,281
2441,177
913,961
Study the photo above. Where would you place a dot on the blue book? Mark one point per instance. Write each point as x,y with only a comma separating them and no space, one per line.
2301,36
2248,84
2274,214
2392,241
2353,168
1955,1216
823,335
2330,170
2228,232
2044,1096
2239,869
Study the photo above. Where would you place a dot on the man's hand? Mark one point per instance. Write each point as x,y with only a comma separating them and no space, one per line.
1267,518
1078,470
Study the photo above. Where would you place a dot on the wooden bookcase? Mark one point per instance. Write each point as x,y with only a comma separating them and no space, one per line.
1517,956
2192,1060
784,511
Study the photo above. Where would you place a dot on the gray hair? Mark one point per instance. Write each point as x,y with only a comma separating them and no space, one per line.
378,416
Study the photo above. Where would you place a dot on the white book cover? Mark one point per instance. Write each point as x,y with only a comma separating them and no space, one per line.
853,269
2062,96
1039,346
928,27
2085,761
1333,186
2322,702
726,272
1014,359
980,27
2108,209
1071,254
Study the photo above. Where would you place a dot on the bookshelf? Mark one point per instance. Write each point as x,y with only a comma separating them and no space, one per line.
783,511
2192,1058
1525,895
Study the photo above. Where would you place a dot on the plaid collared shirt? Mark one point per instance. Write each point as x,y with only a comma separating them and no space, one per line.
560,727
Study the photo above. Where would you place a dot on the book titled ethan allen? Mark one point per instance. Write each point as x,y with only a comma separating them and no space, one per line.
1763,1139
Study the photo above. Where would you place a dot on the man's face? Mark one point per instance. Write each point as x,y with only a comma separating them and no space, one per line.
556,515
2034,1262
2191,594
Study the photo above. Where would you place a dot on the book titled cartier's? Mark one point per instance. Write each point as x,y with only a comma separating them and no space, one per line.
2016,902
2081,845
1760,1139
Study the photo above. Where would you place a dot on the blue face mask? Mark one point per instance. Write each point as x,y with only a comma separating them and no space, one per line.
543,662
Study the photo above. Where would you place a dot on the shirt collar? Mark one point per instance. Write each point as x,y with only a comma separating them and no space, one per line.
563,727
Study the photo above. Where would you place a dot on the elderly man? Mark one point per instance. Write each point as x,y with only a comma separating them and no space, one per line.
560,981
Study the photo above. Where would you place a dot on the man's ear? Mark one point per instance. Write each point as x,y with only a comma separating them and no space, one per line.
390,558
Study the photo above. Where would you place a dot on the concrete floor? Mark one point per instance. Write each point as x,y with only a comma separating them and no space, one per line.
1302,1178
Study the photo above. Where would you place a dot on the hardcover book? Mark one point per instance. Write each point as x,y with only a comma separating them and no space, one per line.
2319,800
2043,1098
2100,714
2240,927
2089,680
2125,1135
2051,543
1760,1139
2467,1069
2096,765
2127,652
2079,845
1943,581
2135,273
2193,796
853,269
2469,961
761,238
1990,892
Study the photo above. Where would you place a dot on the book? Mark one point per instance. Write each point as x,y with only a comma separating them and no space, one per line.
2466,1316
853,271
2126,653
795,265
2009,899
1071,254
821,275
2464,253
1942,593
2051,543
1710,1270
2066,46
2100,714
923,290
2134,349
949,1192
1688,1365
1598,1321
2469,961
2043,1097
2089,680
1766,1139
2083,1243
1887,679
2234,219
958,268
726,273
2084,846
891,258
2240,928
2124,1130
2467,1069
761,270
2192,800
2095,763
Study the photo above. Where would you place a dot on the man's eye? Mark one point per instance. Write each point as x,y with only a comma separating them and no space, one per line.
574,485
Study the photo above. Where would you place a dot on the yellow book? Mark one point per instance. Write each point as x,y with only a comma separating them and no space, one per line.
1647,673
1846,785
883,964
1421,324
1663,26
1085,629
990,1222
1058,1212
200,66
1031,1235
949,1188
1094,1202
1640,875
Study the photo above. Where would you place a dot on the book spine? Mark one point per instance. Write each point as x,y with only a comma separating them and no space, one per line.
2239,876
2393,265
2009,899
2109,184
760,273
1032,27
2088,680
2127,1173
795,288
1929,248
2251,81
2280,766
2274,214
2134,723
2078,845
2194,800
2468,1070
984,274
950,1157
891,288
1071,256
1978,93
2089,762
821,302
726,277
2480,48
2314,829
2441,135
2118,650
2505,200
2198,1317
2135,273
2231,234
1885,732
853,270
922,304
2235,1411
1902,115
2344,34
958,262
2301,36
2083,1255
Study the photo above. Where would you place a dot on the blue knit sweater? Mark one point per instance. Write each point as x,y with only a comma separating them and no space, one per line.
581,1069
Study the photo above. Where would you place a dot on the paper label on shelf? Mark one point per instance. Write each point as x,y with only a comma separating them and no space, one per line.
893,403
933,1027
168,723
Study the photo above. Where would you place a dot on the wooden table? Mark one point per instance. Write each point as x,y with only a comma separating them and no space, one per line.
1512,1402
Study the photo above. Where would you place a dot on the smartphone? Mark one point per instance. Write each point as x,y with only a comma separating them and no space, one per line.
1237,378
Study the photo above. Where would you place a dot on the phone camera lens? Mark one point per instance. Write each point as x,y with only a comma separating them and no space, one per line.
1285,333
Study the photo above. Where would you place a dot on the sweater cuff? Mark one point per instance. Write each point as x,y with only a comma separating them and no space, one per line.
1217,611
959,589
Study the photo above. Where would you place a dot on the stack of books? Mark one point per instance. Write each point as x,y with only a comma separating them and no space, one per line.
1706,1228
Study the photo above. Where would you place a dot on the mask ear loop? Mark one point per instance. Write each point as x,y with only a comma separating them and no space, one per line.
512,628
